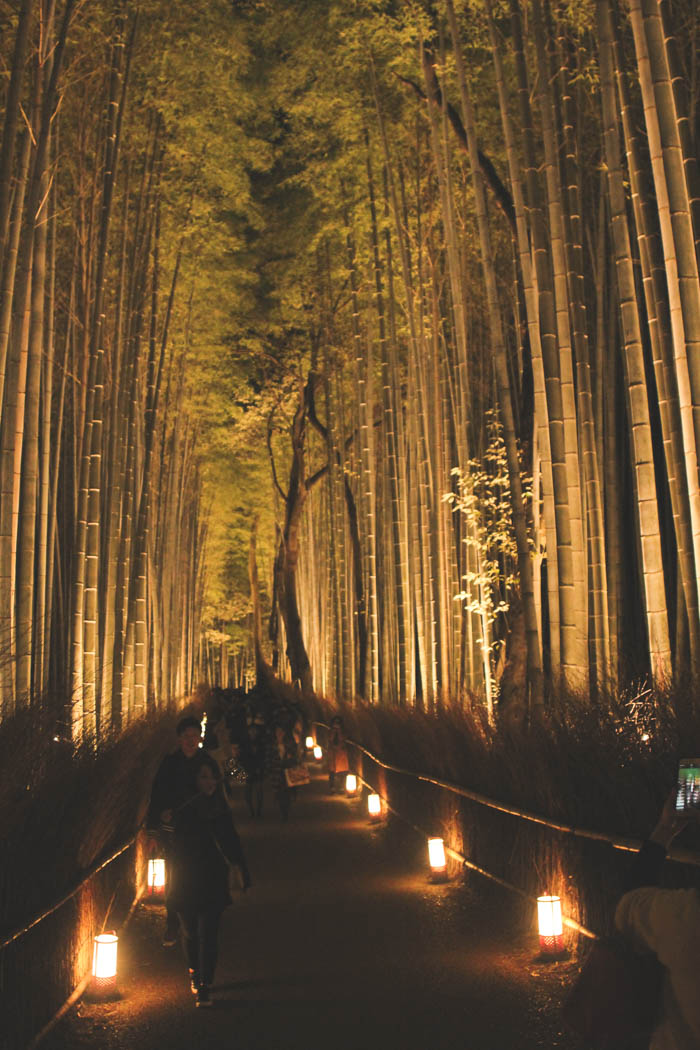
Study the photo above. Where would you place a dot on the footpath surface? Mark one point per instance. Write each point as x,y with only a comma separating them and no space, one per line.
342,944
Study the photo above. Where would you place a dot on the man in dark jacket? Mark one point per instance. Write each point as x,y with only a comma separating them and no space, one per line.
172,788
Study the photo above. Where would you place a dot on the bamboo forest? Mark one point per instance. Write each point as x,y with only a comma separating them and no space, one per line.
350,342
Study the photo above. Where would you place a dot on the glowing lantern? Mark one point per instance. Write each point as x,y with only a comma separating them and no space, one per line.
309,743
318,753
156,877
104,963
550,925
350,784
374,807
438,860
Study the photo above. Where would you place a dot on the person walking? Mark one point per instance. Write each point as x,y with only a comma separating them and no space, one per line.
172,786
282,755
252,758
207,857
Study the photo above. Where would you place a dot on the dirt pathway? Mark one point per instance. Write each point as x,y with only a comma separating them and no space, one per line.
342,944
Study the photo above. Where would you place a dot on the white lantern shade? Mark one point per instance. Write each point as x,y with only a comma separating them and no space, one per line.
550,925
350,784
374,806
436,856
318,753
104,959
156,876
309,742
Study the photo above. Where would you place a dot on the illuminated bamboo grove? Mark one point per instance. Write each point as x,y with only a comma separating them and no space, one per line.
101,532
509,224
431,266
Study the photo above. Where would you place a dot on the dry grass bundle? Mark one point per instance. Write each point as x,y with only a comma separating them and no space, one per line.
605,765
62,811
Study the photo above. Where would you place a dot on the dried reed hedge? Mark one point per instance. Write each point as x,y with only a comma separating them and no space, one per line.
62,812
604,765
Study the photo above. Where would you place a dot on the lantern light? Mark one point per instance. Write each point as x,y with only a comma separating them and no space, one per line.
104,963
318,753
350,785
438,860
309,743
156,877
550,925
374,807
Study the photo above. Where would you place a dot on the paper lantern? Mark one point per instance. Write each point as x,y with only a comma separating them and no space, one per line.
156,877
350,785
104,963
309,743
318,753
438,860
374,807
550,925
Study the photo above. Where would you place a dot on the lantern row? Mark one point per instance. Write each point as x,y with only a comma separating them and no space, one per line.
104,964
549,917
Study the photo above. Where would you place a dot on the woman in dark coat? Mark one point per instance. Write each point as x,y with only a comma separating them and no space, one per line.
205,848
283,755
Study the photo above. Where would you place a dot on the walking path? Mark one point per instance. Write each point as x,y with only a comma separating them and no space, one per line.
342,944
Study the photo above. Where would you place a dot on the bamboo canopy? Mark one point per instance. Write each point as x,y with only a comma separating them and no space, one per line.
414,289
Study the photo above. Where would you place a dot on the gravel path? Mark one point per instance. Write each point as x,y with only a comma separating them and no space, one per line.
342,944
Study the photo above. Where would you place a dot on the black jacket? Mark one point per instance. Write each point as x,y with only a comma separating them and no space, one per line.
173,785
205,844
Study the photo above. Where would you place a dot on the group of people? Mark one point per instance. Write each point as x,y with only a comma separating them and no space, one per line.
189,818
192,820
189,813
266,740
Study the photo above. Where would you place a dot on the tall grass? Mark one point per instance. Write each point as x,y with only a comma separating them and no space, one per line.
62,811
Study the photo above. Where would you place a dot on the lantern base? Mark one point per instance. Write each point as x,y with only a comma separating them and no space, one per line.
439,875
552,946
102,990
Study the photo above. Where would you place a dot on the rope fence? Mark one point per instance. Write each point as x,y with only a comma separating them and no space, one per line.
680,856
456,855
69,896
81,988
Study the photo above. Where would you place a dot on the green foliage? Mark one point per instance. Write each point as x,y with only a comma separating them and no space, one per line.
483,499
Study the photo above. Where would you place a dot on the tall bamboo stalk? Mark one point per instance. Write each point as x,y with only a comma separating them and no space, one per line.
534,659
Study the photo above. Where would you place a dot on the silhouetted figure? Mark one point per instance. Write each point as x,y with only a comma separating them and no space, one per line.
173,785
337,752
667,922
252,755
282,755
206,850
